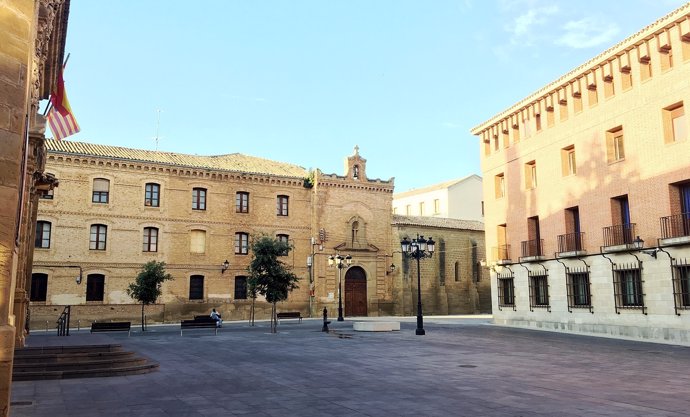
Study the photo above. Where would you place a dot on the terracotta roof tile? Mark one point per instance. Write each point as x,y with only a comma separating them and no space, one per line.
230,162
440,222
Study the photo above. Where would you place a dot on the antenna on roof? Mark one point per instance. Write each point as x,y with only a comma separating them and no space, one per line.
158,124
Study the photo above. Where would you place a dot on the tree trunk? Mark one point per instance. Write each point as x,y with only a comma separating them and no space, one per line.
251,311
274,319
143,329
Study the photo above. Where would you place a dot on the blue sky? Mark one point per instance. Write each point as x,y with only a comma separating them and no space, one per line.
304,81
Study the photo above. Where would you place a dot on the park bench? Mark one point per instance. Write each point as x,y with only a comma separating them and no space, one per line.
289,315
199,322
115,326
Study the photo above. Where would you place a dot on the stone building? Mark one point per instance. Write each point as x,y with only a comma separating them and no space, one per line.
575,173
118,208
452,280
31,54
457,199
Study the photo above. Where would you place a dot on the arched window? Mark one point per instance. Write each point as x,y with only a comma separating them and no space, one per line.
152,195
355,232
457,271
94,287
196,287
39,287
43,229
150,239
241,243
355,172
101,190
99,234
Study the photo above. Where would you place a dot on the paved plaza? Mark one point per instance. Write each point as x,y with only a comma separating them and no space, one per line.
461,367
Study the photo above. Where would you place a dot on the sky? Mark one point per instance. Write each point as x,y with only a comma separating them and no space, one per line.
304,81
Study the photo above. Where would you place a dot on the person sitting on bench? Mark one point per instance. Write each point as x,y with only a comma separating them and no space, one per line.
216,316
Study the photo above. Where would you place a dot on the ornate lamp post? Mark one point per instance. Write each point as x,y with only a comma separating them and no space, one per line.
340,262
419,248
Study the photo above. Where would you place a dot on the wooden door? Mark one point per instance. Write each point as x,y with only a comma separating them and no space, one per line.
355,292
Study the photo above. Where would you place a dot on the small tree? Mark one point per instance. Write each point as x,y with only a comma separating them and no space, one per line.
147,287
268,275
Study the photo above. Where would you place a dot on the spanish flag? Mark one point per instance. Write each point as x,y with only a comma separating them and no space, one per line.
60,118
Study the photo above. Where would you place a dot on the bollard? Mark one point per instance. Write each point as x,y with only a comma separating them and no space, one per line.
78,325
325,320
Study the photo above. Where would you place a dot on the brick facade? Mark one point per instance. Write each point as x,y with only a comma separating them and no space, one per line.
575,172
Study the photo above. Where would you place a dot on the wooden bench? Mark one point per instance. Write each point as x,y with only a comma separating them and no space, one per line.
289,315
116,326
199,322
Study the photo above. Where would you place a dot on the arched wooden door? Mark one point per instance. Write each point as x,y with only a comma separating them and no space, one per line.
355,292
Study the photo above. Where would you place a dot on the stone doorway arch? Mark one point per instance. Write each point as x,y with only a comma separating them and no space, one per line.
355,292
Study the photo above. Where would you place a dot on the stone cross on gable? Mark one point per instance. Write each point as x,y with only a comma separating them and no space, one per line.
356,150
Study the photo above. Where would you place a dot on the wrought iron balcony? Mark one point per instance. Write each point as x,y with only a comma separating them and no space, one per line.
620,234
675,226
571,242
532,248
502,254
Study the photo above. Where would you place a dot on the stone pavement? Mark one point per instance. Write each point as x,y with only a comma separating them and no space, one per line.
461,367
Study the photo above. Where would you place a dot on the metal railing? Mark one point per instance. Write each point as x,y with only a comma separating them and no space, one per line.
620,234
63,322
533,247
675,226
501,252
571,242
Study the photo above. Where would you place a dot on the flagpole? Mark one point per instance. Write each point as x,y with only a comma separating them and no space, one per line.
50,103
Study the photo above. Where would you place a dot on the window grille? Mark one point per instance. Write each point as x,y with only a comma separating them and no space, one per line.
579,288
506,289
627,287
539,290
681,284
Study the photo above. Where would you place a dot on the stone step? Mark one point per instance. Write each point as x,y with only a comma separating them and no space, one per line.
84,365
67,349
88,373
69,357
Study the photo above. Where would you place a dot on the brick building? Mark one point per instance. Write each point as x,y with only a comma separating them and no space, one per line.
575,172
117,208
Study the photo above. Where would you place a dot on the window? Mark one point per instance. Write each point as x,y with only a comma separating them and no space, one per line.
197,241
150,239
421,208
395,210
592,97
355,172
199,199
539,290
42,235
628,287
500,186
196,287
241,243
98,236
242,202
39,287
506,292
549,116
626,79
284,239
531,175
152,194
101,189
457,271
48,195
563,110
578,289
354,233
577,102
516,135
645,68
568,166
622,232
572,240
675,123
537,122
476,276
615,149
282,205
437,206
609,89
666,58
533,246
240,288
94,287
681,284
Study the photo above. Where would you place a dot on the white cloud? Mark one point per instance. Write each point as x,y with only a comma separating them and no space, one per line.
588,32
523,26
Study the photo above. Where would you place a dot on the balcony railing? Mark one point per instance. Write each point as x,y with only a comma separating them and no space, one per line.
621,234
502,253
533,248
571,242
675,226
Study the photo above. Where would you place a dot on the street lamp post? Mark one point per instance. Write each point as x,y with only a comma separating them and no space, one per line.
419,248
340,262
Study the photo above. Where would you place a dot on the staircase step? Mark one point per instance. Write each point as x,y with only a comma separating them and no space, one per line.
67,349
69,357
86,373
68,366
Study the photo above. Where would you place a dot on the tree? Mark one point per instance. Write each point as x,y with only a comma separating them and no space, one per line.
268,275
147,287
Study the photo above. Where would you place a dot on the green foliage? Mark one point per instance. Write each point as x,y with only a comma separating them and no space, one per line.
310,179
268,275
147,287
